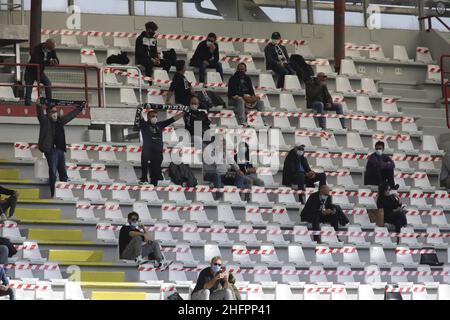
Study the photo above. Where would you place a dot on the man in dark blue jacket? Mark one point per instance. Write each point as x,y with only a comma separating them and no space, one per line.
43,54
241,94
146,50
207,56
277,59
380,168
152,148
5,290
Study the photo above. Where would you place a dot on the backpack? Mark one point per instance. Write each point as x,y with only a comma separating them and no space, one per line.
209,99
187,176
18,90
304,71
175,173
171,56
118,59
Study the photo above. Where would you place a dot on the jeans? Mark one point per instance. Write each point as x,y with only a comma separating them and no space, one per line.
202,69
30,78
155,159
319,107
205,294
239,109
9,292
56,164
252,179
281,72
10,203
150,250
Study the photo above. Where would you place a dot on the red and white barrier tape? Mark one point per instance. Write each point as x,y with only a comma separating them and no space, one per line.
32,246
433,69
325,290
321,134
27,266
236,59
323,250
266,210
422,50
8,225
88,52
15,285
107,228
360,211
112,207
194,208
85,168
424,213
389,100
414,251
319,62
352,46
253,251
417,175
407,289
397,137
176,249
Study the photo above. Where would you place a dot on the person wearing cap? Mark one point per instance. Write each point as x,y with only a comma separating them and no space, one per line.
152,148
380,168
207,56
241,94
297,172
318,98
277,59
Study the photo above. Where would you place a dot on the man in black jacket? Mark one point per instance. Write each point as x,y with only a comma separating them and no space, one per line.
277,59
180,86
43,54
320,209
319,98
296,171
146,50
8,203
207,56
241,94
52,141
380,168
196,116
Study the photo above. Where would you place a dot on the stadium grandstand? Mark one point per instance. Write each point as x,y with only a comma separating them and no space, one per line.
330,119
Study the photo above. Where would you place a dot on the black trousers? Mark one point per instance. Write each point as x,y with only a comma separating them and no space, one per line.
155,158
8,203
398,219
317,218
387,176
8,292
165,64
30,77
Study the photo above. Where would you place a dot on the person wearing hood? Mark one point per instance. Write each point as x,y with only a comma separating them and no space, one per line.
380,168
390,207
206,55
52,141
146,50
152,148
297,172
277,59
135,243
241,94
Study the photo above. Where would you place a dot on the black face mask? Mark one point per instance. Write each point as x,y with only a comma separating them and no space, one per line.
151,33
240,73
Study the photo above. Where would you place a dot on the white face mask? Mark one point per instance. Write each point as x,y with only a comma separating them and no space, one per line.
194,107
379,152
324,197
275,41
392,192
153,120
300,153
54,116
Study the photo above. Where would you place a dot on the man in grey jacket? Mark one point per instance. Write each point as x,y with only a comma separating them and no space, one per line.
52,141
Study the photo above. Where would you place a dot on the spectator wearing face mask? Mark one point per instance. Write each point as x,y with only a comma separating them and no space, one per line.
242,158
206,55
380,168
297,172
241,94
213,283
5,290
52,141
318,98
390,207
196,116
320,209
277,59
135,243
152,148
146,50
180,86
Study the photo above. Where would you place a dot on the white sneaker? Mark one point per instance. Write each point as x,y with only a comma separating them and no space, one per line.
14,218
140,260
2,217
165,264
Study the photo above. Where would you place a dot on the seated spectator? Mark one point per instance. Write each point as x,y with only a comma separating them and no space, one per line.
305,72
241,94
320,209
390,206
213,283
297,172
195,115
242,158
207,56
277,59
4,253
146,50
180,86
5,290
8,203
135,243
318,98
445,171
380,168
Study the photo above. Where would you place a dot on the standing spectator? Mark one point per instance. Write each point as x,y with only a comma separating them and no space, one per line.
390,207
135,243
277,59
52,141
296,171
180,86
146,50
318,98
320,209
380,168
445,171
207,56
43,54
8,203
194,116
241,94
242,158
5,290
212,283
152,149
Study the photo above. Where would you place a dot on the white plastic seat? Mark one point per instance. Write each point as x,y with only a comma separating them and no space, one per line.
292,83
423,54
219,237
366,201
308,123
369,87
360,126
225,214
164,236
6,93
287,102
303,239
370,277
424,278
128,97
227,47
270,259
177,45
96,41
70,41
398,278
266,81
352,52
323,65
343,278
325,258
304,50
252,215
409,241
89,57
240,255
348,68
429,144
404,256
377,54
418,201
122,42
343,84
389,105
288,274
261,277
357,240
192,237
363,104
252,48
275,238
287,199
400,54
354,141
331,240
318,278
249,238
385,240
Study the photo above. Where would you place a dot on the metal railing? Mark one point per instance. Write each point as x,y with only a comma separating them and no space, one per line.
430,25
104,85
446,89
442,64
